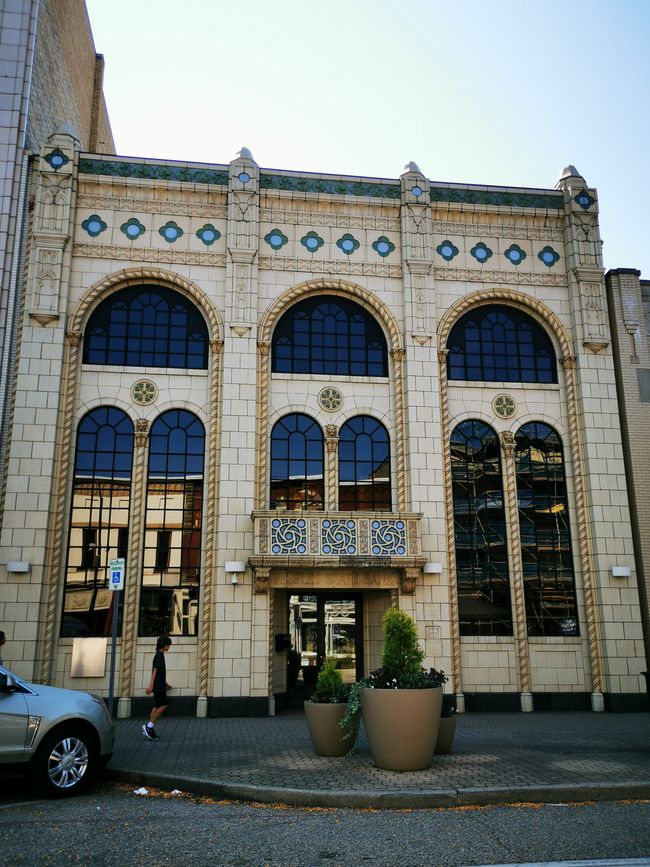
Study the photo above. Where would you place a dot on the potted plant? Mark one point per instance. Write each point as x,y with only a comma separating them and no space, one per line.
400,702
325,710
447,731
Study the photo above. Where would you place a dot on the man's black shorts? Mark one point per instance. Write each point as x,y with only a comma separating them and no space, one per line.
160,699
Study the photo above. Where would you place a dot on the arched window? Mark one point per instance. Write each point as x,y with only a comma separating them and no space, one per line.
364,465
480,531
329,335
146,326
99,519
549,584
171,571
297,464
500,344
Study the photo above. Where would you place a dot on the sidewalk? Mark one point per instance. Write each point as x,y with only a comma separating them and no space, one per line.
497,758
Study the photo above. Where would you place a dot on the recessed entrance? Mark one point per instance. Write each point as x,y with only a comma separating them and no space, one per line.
323,626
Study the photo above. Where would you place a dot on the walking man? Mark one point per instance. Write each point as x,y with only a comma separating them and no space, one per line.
158,686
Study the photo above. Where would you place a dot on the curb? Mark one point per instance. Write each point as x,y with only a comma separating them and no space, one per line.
404,800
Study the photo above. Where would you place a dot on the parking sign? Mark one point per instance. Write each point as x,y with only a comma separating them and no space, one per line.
116,574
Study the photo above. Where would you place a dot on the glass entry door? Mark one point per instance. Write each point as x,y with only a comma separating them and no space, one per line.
323,626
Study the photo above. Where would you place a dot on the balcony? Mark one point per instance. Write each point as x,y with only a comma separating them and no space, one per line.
331,540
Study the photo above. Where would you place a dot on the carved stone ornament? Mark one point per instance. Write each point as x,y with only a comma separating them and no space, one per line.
141,432
407,580
330,399
504,406
261,577
144,392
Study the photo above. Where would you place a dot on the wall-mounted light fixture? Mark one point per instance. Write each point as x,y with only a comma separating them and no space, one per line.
233,568
18,565
620,571
432,569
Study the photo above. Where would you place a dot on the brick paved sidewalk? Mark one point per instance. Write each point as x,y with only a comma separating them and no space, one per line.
497,758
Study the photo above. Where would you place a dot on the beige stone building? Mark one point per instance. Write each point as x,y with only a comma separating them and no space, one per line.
290,401
629,314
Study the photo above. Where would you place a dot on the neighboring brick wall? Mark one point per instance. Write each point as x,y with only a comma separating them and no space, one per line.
63,80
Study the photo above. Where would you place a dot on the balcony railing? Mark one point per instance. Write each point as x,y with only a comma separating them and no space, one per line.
335,539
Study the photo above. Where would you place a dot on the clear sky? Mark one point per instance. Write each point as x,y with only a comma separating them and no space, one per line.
502,92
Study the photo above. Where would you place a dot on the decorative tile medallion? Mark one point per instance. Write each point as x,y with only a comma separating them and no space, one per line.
330,399
383,246
515,254
416,191
338,537
276,239
481,252
312,241
288,536
244,177
447,250
584,200
94,225
170,232
133,228
387,537
504,406
57,159
208,234
143,392
347,244
548,256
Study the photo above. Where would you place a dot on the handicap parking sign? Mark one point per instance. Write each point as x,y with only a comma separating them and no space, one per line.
116,574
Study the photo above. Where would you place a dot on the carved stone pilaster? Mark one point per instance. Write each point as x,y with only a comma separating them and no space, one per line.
242,242
397,356
331,479
417,255
53,215
141,432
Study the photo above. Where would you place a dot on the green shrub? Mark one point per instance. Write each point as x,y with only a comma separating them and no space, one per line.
330,688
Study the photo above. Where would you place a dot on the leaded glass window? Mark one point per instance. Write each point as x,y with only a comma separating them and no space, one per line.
547,560
297,464
364,465
169,597
495,343
480,531
329,335
146,326
99,519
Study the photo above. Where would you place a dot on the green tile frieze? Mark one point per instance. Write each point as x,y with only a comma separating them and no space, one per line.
334,187
152,171
498,197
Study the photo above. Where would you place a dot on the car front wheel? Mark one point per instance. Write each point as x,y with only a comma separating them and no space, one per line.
66,762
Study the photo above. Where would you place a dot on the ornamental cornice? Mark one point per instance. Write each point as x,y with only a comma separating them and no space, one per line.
482,275
138,254
324,266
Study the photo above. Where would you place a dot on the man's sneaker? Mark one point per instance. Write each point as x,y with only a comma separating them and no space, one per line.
150,733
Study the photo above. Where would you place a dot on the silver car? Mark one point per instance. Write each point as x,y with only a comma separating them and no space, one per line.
61,736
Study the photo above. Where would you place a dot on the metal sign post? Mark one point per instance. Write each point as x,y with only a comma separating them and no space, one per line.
115,583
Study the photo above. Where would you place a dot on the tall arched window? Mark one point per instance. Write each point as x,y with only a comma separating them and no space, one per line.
549,583
99,519
171,572
146,326
495,343
297,464
364,465
329,335
480,531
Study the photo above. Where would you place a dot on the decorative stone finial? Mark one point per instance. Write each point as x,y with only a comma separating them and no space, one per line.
569,173
245,154
412,167
66,129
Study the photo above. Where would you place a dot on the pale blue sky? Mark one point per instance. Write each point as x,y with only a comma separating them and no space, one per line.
506,92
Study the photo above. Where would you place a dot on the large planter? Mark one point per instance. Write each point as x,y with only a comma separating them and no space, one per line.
446,734
327,737
402,726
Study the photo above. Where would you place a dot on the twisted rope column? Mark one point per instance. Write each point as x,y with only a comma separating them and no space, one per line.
126,685
331,482
456,661
584,540
516,571
207,589
56,547
400,428
262,421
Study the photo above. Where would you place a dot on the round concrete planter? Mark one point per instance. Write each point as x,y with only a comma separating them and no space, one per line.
402,726
446,734
327,737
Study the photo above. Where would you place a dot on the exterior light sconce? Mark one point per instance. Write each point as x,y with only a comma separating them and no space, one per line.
432,569
620,571
233,568
18,566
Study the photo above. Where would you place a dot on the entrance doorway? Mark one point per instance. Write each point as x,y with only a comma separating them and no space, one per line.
322,626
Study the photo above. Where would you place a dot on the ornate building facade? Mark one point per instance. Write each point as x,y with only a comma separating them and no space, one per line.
290,401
